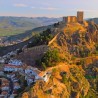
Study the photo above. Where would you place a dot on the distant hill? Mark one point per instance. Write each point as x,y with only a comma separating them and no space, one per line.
94,19
17,25
6,49
26,35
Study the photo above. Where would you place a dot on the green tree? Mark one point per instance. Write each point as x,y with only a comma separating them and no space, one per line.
44,66
50,58
64,79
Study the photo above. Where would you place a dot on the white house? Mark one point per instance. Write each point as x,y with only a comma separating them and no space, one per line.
12,53
16,85
8,67
10,76
12,96
1,72
30,72
29,81
15,62
38,75
15,80
5,88
2,60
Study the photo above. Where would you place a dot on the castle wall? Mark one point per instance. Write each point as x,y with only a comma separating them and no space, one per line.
41,48
70,19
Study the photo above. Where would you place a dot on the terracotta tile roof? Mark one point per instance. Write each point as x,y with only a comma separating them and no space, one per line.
3,85
14,91
4,93
12,66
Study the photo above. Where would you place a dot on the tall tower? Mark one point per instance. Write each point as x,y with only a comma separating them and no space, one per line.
80,16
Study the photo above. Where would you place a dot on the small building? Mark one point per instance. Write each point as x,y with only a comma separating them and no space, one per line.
15,62
12,68
1,72
2,60
5,88
4,93
15,92
33,74
16,85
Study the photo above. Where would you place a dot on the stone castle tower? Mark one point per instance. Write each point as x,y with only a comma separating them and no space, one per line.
73,19
80,16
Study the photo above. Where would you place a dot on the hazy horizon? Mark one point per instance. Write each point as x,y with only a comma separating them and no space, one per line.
42,17
46,8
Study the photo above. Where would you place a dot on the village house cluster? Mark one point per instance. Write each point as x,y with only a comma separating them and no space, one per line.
3,42
12,72
4,88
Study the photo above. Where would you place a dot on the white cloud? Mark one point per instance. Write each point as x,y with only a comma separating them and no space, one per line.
49,8
33,7
45,8
20,5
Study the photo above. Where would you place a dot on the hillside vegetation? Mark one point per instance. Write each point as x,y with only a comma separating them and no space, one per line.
75,72
70,52
62,84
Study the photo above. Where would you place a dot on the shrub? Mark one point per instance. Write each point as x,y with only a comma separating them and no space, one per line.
96,47
42,38
44,66
64,79
49,59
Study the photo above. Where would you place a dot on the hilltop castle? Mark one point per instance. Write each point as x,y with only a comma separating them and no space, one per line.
71,19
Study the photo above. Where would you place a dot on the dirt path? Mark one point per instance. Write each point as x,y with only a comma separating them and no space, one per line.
61,66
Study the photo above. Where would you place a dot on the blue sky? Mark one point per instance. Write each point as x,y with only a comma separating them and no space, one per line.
48,8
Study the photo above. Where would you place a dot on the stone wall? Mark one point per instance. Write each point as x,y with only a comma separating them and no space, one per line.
80,16
70,19
41,48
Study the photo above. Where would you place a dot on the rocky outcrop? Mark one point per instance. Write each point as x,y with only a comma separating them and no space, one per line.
74,86
74,42
79,42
